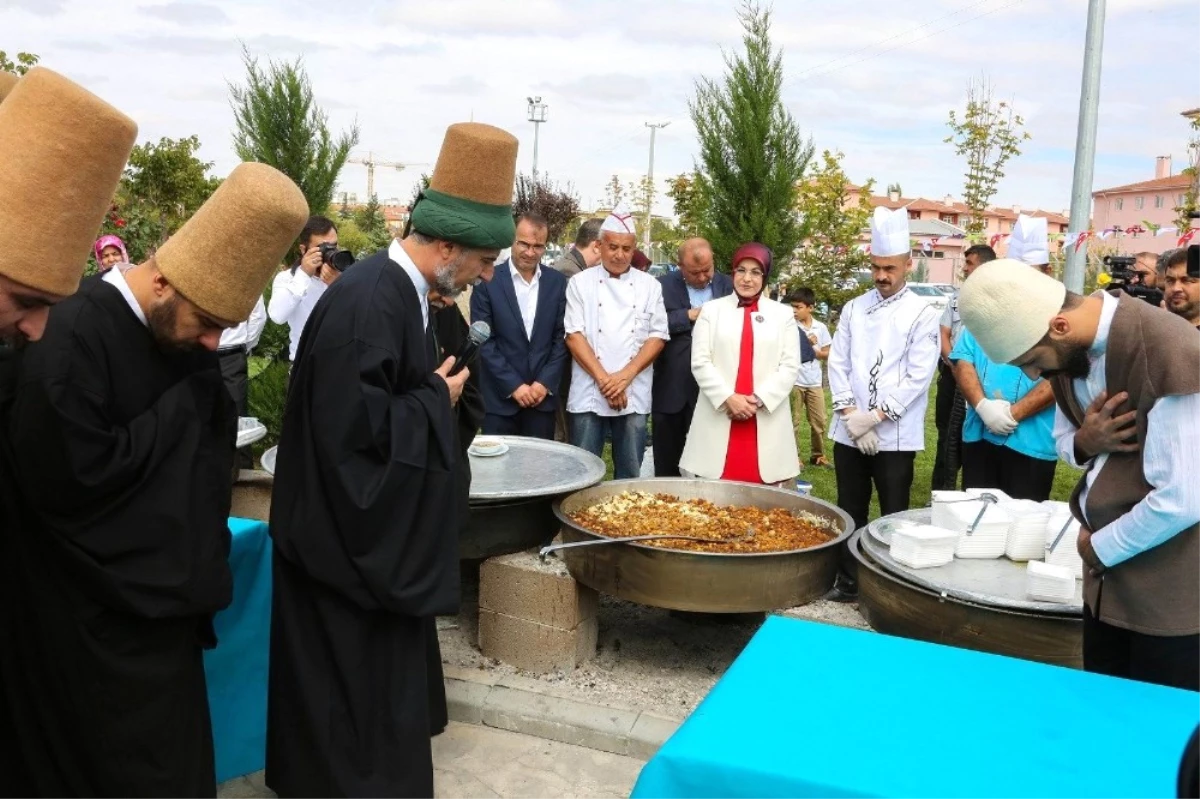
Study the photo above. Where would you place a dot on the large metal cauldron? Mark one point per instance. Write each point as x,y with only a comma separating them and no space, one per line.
702,581
893,604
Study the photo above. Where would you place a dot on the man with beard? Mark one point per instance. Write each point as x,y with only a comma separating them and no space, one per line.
1181,284
125,439
881,363
366,507
1126,378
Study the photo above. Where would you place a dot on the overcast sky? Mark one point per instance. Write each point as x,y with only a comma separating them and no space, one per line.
873,79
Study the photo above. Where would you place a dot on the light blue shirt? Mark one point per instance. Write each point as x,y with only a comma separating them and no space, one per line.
1034,437
698,297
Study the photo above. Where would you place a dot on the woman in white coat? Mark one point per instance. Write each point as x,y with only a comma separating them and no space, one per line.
745,357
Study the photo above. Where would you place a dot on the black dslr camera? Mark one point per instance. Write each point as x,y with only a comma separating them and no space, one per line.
1122,276
341,260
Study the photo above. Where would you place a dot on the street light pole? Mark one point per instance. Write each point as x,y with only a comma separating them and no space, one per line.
1085,145
537,115
654,126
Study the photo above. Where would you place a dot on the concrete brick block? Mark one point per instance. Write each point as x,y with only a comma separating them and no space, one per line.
536,647
465,700
252,495
525,587
649,733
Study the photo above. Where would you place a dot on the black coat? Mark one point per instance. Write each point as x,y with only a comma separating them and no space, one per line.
674,387
117,553
365,518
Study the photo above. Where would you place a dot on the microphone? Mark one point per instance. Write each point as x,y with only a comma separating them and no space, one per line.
479,333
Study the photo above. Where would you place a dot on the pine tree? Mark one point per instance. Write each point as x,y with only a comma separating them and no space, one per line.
370,220
752,156
279,123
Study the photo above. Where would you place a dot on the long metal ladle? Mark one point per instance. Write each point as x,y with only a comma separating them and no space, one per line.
594,542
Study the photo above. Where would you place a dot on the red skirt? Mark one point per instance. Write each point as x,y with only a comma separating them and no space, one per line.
741,459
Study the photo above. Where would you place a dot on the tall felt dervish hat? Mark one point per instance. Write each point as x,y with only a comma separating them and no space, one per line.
62,151
469,199
258,208
8,82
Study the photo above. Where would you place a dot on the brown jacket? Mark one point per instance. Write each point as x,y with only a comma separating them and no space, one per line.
1150,354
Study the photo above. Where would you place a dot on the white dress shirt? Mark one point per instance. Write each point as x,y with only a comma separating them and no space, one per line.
397,253
1170,461
616,314
116,278
293,297
884,355
527,296
247,334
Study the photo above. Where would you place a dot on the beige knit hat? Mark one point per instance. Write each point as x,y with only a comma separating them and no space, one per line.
62,150
7,82
1007,306
224,256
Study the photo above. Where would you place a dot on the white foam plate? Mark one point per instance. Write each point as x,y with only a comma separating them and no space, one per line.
489,452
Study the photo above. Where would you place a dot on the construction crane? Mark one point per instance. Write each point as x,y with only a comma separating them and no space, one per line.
370,163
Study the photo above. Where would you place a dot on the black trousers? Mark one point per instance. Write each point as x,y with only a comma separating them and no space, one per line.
945,470
988,465
233,369
525,422
1171,660
890,472
670,434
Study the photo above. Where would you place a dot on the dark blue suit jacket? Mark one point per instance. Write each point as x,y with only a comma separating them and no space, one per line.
511,359
674,386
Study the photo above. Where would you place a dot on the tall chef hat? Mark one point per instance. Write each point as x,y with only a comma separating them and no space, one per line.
619,221
889,232
62,150
260,209
1008,306
1029,241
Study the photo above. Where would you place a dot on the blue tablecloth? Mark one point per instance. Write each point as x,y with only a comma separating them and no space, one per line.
237,669
814,710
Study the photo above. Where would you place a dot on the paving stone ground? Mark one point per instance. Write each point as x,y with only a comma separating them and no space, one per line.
474,761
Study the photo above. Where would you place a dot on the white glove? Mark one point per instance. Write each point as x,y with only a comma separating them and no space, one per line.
859,423
997,416
868,443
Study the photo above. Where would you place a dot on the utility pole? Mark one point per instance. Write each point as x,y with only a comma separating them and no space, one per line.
370,163
537,115
1085,145
654,126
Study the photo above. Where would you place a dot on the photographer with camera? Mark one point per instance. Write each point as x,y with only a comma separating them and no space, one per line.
1179,274
1127,273
1145,270
295,291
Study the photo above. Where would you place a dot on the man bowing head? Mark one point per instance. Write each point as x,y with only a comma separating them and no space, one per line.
124,439
364,515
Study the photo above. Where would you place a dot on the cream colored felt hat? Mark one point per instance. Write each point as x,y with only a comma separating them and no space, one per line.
62,151
224,256
1007,306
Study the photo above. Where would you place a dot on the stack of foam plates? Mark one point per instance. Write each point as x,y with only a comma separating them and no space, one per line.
922,546
995,492
1027,533
942,502
989,537
1047,583
1066,554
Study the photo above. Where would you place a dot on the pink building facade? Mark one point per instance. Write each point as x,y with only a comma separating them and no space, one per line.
1148,204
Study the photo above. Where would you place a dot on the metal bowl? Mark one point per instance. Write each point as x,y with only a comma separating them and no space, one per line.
703,582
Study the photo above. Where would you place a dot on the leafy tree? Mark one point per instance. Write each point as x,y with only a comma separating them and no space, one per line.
751,154
614,192
278,123
690,204
558,204
1191,200
988,134
420,186
921,272
24,62
895,188
169,181
371,223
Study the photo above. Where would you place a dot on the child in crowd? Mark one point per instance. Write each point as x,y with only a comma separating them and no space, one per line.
808,397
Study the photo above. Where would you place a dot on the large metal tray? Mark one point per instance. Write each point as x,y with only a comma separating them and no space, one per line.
997,582
533,467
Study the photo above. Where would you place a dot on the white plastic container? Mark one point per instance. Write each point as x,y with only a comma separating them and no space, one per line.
923,546
1047,583
942,502
989,537
1066,554
1027,533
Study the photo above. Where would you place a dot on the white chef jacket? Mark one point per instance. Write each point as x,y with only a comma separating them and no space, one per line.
617,314
884,356
293,297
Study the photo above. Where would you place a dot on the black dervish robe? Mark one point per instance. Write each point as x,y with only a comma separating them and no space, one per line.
119,557
364,518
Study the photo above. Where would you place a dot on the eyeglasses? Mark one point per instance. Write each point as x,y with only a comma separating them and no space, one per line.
752,273
524,245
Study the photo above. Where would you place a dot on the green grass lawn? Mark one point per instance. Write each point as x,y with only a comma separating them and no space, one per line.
824,485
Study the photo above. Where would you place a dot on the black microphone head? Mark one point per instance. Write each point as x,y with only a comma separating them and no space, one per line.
480,332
